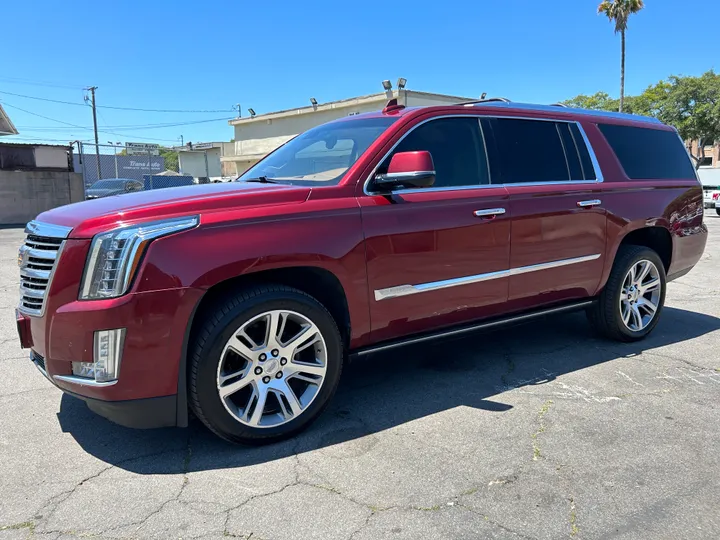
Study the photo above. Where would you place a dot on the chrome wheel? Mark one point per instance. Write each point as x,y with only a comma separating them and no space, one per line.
272,368
640,295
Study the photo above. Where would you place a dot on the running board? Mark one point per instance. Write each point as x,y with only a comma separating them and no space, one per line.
455,332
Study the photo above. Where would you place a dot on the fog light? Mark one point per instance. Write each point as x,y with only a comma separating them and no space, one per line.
107,353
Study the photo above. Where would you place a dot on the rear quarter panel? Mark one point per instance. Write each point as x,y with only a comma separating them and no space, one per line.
675,205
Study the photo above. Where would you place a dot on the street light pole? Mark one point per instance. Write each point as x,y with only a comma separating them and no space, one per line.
97,144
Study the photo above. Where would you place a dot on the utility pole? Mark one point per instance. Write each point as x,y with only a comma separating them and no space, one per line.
97,144
182,141
237,105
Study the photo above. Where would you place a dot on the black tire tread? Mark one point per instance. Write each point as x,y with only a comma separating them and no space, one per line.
220,310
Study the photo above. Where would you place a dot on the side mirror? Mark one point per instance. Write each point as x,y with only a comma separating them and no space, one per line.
407,170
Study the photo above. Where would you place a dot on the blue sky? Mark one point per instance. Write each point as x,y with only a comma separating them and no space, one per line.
272,55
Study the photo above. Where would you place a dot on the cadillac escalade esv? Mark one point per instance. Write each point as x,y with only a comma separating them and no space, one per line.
242,301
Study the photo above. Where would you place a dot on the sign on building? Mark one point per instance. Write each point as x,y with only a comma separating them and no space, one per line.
202,145
142,149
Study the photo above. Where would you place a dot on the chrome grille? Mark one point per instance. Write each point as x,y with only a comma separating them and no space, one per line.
37,258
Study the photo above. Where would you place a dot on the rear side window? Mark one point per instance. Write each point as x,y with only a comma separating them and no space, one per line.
536,151
648,153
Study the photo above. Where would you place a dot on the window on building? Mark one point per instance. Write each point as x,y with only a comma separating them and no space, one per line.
646,153
456,147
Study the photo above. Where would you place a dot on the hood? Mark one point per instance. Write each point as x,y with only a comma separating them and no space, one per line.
91,217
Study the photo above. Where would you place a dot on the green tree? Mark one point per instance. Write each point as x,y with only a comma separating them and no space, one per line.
172,161
692,105
599,101
619,11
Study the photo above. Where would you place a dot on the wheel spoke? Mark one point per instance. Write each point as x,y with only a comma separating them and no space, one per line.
274,321
301,377
626,312
234,387
259,407
644,269
304,367
649,306
650,286
631,275
282,388
222,379
637,317
236,345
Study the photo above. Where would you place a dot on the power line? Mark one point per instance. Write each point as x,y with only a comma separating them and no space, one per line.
135,126
29,82
117,108
41,116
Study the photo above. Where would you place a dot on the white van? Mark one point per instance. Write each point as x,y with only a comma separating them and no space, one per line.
710,179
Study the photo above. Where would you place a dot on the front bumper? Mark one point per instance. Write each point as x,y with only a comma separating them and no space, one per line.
132,413
709,204
149,387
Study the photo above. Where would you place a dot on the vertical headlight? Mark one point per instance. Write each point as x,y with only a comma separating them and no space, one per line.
115,256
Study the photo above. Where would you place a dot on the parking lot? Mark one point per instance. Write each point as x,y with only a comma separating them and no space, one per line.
541,431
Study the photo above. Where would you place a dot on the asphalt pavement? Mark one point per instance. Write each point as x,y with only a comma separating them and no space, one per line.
541,431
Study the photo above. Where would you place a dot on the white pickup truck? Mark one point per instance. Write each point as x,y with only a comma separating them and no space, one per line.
710,179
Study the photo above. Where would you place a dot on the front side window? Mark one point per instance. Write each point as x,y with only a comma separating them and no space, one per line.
456,147
322,155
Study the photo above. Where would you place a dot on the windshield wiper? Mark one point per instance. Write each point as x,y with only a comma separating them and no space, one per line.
262,180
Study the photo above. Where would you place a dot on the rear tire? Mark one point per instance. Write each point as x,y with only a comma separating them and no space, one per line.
629,306
264,365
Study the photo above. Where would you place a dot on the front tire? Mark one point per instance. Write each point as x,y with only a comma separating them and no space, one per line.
629,306
264,365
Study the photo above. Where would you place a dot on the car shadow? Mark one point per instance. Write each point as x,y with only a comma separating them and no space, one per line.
387,390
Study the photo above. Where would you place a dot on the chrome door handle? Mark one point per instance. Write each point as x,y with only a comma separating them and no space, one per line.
589,204
490,212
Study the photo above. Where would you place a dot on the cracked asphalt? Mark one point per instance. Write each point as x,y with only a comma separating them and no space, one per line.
540,431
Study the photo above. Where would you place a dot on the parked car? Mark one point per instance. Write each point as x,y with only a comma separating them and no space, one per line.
710,180
243,301
112,186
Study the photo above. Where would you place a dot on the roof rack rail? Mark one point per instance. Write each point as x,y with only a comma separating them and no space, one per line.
486,100
558,105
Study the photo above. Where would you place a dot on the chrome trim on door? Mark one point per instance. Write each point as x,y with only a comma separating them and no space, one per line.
406,290
489,212
406,174
590,203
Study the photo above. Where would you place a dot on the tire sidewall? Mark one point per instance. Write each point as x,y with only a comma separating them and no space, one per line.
209,356
642,254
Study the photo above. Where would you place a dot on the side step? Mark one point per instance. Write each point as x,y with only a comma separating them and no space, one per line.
459,331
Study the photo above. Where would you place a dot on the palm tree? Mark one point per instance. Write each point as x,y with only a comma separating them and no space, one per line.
619,11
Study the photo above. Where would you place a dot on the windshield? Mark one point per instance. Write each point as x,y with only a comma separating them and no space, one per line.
322,155
108,184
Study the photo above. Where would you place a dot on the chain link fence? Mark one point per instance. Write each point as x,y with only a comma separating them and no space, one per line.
113,169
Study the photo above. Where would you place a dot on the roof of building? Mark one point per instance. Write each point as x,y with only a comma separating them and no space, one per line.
6,125
34,145
349,102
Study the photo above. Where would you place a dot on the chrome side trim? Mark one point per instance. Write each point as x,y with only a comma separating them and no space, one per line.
474,327
593,158
83,381
553,264
406,290
408,174
489,212
590,203
38,228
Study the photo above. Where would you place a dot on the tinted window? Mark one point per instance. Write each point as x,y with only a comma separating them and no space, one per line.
456,147
648,153
528,151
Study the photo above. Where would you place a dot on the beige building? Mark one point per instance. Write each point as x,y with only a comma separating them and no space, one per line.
711,153
258,135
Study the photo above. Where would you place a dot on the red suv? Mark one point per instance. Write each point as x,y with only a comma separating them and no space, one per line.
242,301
